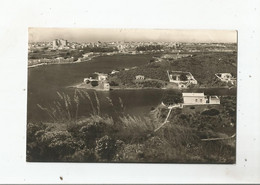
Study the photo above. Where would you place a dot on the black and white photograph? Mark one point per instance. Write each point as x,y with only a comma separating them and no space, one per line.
129,92
131,95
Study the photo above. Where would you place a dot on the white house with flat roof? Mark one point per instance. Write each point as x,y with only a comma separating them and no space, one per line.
101,76
199,99
139,77
226,77
194,98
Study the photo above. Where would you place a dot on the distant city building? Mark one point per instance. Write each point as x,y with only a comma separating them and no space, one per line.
59,43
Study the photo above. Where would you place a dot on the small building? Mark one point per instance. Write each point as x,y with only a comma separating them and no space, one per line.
194,98
139,77
102,76
199,99
114,72
214,100
87,54
88,80
226,77
177,77
106,86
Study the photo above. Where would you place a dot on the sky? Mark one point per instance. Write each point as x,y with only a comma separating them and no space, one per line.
143,35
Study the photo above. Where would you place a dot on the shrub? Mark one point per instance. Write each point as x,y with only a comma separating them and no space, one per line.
33,129
113,83
83,155
183,77
57,144
106,147
171,97
94,83
211,112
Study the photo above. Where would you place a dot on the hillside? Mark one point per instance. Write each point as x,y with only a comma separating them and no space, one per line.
203,66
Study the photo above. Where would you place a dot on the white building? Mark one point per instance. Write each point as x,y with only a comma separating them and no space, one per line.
106,86
226,77
59,43
199,99
139,77
102,76
114,72
86,55
175,77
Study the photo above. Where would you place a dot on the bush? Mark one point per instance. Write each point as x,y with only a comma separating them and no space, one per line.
171,98
211,112
94,83
113,83
86,155
183,77
151,83
57,144
105,147
33,130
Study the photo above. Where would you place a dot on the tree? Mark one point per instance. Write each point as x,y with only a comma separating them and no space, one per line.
93,75
183,77
94,83
172,97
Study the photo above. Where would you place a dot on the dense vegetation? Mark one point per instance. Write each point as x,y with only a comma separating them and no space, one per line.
100,138
171,98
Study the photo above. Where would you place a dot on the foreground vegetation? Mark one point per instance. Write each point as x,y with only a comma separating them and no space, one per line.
100,138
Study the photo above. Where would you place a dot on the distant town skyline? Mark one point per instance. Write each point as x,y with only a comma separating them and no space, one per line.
135,35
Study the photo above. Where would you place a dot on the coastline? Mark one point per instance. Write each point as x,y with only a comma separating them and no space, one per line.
43,64
80,85
87,59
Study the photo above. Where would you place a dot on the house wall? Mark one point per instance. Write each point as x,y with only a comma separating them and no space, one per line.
214,101
102,78
106,86
194,100
139,77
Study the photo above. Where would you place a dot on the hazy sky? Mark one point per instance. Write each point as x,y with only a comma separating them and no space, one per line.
94,35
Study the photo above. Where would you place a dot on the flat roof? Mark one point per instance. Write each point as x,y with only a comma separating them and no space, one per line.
193,94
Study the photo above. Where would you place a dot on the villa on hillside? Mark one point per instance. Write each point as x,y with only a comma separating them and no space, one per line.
98,82
183,79
199,99
101,76
226,77
195,99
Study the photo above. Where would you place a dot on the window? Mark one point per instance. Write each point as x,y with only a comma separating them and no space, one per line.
196,100
200,100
